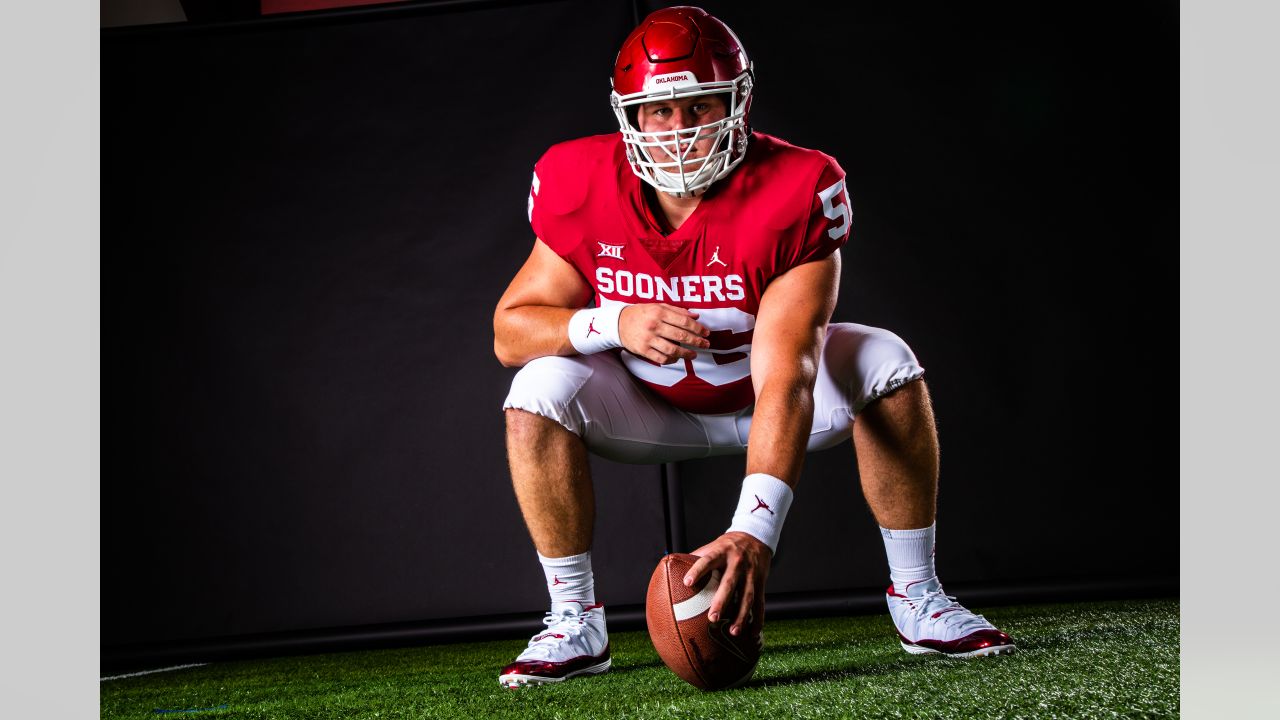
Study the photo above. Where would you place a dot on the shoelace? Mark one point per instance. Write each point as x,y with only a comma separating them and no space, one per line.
568,624
935,602
572,623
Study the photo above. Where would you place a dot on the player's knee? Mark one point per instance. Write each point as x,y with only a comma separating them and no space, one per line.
548,379
875,361
883,348
547,387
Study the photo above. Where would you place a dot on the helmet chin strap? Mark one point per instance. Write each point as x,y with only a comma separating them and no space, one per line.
669,182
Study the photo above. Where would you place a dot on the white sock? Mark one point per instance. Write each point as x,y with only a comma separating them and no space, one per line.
910,554
569,581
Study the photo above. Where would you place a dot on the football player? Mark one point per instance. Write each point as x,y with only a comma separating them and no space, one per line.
676,305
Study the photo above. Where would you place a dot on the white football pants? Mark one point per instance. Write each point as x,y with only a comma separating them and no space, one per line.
595,398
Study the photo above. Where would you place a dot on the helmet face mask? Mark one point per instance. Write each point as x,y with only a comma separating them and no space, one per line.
680,53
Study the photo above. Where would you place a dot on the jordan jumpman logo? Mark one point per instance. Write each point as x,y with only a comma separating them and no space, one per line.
555,580
762,504
715,258
591,328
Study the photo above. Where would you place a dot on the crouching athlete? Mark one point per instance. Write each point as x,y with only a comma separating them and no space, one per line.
677,305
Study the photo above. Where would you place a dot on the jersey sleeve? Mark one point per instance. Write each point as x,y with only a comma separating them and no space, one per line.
829,217
557,189
538,210
534,187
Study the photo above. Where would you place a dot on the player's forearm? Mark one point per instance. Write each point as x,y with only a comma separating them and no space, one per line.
780,426
529,332
775,451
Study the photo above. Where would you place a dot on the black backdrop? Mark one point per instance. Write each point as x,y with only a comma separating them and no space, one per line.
309,223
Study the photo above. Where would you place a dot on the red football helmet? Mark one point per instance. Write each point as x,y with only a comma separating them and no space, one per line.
682,52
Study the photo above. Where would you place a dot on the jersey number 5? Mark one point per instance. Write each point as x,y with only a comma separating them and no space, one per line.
727,360
839,212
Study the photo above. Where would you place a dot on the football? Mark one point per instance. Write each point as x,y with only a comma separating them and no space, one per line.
701,652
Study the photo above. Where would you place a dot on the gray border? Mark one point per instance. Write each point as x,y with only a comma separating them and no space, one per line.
49,356
1230,182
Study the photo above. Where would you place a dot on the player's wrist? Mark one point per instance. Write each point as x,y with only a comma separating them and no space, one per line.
762,508
593,330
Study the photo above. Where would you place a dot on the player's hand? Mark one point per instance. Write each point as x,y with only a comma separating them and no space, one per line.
658,331
743,562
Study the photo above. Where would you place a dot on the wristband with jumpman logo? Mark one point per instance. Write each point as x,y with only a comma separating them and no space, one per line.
762,508
594,329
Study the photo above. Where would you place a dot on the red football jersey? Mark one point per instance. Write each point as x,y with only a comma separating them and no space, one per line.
782,207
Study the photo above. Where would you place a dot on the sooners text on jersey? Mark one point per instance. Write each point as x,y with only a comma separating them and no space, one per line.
784,206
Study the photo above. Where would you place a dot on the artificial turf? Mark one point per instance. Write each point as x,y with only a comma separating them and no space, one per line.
1084,660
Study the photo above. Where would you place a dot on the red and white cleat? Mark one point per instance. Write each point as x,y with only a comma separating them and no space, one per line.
574,643
930,621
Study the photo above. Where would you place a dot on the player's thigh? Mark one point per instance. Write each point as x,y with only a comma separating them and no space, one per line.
860,364
595,398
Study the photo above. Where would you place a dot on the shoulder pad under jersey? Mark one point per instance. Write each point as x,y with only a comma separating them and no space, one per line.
566,171
790,175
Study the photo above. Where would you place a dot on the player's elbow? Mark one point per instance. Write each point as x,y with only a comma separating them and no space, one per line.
793,381
501,348
799,382
505,357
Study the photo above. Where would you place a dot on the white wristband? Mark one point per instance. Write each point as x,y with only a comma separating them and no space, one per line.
762,508
594,329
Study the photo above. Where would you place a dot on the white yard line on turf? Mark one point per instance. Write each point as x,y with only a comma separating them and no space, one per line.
148,672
